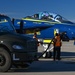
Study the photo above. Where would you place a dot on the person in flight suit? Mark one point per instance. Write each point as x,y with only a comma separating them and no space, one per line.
57,46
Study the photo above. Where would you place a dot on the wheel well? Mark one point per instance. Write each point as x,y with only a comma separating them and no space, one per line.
64,37
5,47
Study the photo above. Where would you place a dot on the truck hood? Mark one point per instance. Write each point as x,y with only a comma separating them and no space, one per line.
14,36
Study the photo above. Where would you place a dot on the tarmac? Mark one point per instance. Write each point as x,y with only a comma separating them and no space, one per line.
46,66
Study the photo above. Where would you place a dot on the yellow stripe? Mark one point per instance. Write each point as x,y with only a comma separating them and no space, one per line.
47,41
40,21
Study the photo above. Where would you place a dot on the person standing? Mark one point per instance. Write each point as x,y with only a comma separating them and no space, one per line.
35,37
57,47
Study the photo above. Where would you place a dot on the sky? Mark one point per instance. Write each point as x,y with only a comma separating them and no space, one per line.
23,8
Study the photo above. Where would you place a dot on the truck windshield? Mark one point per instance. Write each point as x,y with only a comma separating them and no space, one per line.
6,24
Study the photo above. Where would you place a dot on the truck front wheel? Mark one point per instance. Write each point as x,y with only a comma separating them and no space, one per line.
5,60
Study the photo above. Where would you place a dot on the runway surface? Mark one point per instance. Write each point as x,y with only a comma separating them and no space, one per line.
46,66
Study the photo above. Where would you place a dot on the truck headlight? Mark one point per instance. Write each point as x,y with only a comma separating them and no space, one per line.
17,47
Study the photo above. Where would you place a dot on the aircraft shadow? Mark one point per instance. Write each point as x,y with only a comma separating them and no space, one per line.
67,63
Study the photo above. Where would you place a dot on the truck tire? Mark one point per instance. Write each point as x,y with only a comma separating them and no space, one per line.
5,60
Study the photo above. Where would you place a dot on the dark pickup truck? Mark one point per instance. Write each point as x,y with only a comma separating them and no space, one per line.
15,49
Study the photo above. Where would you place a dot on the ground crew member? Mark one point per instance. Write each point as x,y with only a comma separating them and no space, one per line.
35,37
57,46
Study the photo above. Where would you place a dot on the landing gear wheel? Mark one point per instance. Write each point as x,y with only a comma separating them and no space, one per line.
5,60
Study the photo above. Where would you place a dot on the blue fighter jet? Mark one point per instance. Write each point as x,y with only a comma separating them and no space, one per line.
46,24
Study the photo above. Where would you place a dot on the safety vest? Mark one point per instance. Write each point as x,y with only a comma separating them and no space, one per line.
57,41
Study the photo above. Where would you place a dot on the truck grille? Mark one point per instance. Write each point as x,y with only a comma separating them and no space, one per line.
32,45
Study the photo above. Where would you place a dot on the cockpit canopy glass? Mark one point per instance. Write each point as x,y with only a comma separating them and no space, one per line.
49,16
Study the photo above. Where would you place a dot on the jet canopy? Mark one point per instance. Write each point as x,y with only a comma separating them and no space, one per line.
49,16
